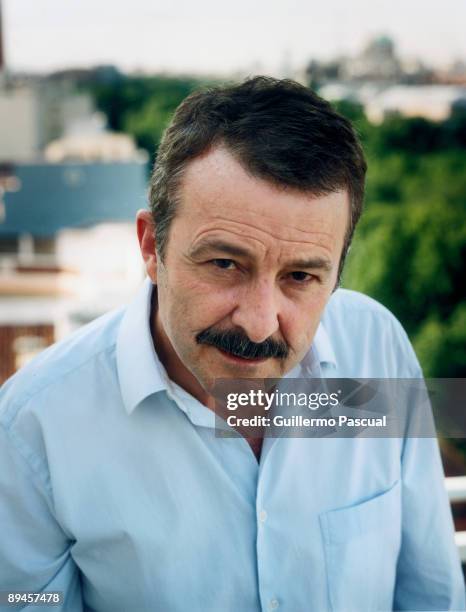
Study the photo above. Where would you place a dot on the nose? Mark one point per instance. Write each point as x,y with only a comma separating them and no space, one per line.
257,311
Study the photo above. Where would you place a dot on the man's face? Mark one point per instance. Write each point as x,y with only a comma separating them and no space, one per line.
245,256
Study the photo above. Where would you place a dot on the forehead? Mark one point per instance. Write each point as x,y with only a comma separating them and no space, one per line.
217,195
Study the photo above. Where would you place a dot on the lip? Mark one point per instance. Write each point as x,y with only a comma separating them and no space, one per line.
241,360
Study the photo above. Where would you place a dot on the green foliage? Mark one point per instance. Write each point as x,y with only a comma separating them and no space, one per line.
351,110
411,136
147,124
411,258
142,106
441,345
409,250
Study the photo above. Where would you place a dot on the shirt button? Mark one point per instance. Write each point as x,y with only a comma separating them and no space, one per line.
263,517
273,604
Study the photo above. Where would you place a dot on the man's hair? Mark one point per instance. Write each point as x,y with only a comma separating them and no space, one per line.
278,130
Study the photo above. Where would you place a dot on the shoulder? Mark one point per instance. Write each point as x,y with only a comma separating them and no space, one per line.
367,338
346,303
354,300
66,365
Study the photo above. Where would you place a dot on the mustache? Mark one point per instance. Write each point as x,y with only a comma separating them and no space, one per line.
238,344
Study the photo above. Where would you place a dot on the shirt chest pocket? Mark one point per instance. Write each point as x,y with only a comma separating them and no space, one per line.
361,545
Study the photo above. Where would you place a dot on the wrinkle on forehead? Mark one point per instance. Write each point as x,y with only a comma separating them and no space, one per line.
260,236
278,213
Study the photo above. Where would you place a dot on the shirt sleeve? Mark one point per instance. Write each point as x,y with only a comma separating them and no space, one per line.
34,550
429,575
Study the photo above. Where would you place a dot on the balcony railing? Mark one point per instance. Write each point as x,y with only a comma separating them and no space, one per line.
456,489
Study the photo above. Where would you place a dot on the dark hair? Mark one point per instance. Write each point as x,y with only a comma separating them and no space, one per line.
279,130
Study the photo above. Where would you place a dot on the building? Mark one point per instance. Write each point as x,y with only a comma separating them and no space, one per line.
69,191
35,112
433,102
68,249
377,62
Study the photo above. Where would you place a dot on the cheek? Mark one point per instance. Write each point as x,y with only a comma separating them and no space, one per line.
300,319
195,304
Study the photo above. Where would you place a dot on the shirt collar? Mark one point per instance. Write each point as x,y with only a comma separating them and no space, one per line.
140,371
322,347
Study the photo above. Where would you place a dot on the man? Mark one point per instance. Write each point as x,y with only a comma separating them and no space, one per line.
115,488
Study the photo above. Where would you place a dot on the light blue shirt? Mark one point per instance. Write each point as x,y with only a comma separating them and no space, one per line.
115,489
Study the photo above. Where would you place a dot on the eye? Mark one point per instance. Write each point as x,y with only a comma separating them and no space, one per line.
224,264
301,277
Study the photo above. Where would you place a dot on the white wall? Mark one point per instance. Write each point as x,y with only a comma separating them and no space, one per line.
19,135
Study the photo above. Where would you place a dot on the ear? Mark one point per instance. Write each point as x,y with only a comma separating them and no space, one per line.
145,230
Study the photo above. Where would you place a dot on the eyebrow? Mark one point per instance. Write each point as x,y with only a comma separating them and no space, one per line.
207,246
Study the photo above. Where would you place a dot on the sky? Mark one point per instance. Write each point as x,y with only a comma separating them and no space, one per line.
223,37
